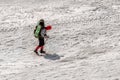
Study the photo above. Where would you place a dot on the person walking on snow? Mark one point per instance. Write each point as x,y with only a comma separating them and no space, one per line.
40,33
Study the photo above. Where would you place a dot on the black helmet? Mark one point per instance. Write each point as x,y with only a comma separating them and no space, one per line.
41,20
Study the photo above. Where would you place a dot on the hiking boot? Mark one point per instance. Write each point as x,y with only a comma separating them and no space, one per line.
42,51
36,52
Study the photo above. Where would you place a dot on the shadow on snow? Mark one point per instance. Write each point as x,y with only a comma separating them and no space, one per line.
52,56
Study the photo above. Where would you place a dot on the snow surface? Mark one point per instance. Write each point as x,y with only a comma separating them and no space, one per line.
85,38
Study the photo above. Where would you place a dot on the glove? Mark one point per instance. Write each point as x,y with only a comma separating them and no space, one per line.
46,36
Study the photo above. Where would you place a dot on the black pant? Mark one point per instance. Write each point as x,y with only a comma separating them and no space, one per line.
41,42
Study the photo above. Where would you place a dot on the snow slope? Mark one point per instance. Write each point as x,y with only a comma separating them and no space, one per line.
85,37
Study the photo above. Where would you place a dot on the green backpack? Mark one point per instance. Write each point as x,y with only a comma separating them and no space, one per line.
37,31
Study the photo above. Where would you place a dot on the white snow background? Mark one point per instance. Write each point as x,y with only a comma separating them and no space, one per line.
85,36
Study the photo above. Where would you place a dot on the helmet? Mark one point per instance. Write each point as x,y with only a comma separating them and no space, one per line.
41,20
